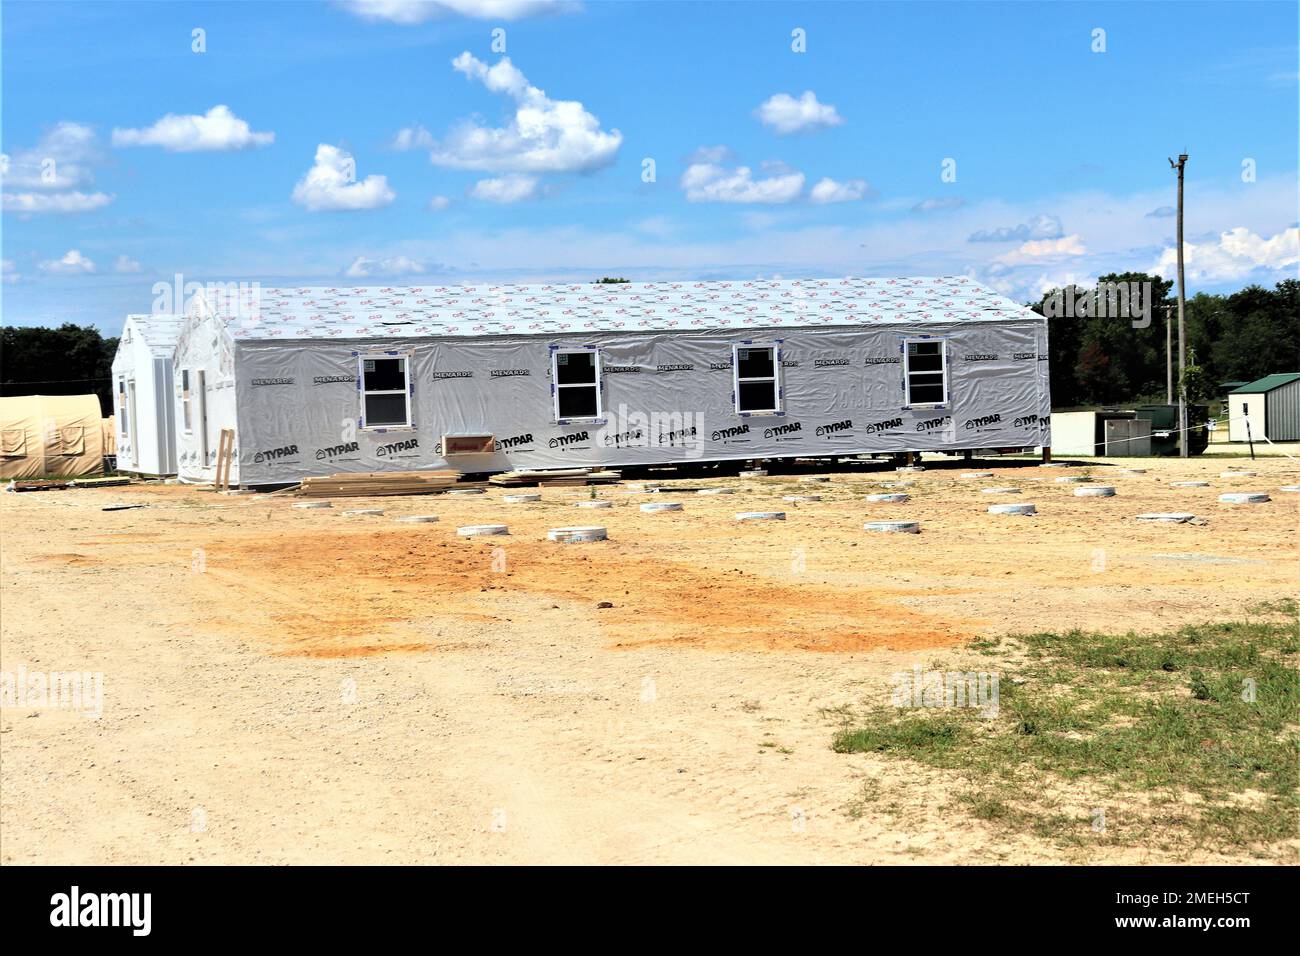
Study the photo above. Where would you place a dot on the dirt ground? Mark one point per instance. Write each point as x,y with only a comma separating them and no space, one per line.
300,686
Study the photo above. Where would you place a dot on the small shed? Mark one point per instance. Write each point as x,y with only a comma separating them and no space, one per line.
56,436
142,394
1109,432
1271,406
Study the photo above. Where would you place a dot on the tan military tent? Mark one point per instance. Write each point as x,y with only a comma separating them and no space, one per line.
59,436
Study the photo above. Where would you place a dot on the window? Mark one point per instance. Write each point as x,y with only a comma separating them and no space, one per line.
385,395
185,400
756,377
575,374
925,371
123,418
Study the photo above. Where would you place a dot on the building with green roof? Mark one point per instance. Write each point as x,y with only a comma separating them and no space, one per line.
1266,408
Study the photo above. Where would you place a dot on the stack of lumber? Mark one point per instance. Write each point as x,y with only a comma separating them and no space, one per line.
557,478
35,484
112,482
378,483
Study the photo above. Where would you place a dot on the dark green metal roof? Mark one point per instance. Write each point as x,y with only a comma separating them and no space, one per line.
1267,383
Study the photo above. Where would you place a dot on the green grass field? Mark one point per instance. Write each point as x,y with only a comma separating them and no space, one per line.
1181,739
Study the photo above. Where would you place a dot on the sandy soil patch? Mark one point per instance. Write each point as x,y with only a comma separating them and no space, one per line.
284,685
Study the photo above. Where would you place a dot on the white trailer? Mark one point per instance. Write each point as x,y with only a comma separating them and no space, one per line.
142,394
491,378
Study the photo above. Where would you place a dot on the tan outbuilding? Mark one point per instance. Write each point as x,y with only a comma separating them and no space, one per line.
56,436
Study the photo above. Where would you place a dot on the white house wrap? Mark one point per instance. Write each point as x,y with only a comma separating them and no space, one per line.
492,378
143,404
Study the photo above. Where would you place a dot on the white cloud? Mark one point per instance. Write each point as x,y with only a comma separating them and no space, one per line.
49,177
709,182
412,137
938,203
1042,226
331,184
72,263
57,161
506,189
785,114
711,154
9,271
1162,212
439,203
1236,254
363,267
218,129
127,266
71,202
1037,250
892,242
543,136
409,12
661,227
829,191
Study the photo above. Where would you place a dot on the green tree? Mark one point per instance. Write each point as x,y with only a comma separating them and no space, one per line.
1106,360
69,360
1196,381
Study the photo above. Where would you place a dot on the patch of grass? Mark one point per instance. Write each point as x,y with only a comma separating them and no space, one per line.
912,736
1287,607
1185,738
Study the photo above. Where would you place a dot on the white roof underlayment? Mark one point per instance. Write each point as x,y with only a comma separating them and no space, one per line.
481,310
159,332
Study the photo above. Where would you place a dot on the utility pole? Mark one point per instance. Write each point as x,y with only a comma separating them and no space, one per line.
1182,304
1169,355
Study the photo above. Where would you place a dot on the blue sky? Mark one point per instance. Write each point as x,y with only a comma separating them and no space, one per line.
390,143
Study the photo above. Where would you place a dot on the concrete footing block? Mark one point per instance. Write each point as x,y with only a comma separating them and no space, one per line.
895,527
482,530
895,497
577,535
1095,491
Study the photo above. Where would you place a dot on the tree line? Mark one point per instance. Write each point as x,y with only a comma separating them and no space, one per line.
1238,337
69,360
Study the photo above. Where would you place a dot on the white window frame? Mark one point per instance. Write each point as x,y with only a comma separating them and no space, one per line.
187,401
907,370
778,389
125,420
556,386
362,391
